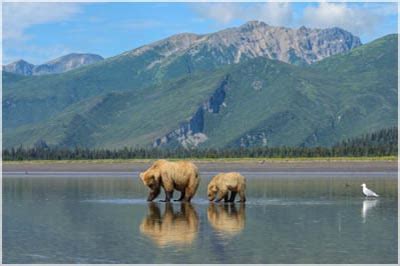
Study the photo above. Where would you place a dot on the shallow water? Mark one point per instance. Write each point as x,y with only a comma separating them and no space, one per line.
285,220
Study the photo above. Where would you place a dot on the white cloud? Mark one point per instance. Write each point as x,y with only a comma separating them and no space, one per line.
356,19
272,13
278,14
18,17
220,12
360,19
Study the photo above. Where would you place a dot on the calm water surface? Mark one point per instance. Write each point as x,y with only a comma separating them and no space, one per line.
89,219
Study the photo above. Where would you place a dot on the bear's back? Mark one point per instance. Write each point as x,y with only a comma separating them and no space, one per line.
230,180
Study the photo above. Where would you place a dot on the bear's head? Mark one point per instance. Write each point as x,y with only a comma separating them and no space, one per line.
211,191
151,178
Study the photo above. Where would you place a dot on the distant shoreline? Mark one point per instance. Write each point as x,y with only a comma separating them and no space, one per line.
341,164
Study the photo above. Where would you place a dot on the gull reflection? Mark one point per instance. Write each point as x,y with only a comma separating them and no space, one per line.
368,204
172,228
226,219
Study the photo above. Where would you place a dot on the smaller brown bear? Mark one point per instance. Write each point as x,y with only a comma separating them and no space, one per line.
222,183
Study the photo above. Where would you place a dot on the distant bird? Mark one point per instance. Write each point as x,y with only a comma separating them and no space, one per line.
367,192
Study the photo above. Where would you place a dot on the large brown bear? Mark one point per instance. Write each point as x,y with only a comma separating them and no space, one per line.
182,176
177,228
222,183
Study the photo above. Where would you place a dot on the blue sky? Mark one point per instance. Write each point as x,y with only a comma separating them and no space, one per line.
38,32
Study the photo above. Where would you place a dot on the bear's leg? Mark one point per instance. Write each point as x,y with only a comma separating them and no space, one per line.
182,196
191,188
153,193
233,196
221,194
242,196
226,198
188,194
168,196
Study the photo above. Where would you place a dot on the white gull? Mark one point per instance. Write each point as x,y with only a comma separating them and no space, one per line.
367,192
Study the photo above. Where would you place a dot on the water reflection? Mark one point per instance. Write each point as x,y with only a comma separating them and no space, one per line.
172,228
368,204
226,218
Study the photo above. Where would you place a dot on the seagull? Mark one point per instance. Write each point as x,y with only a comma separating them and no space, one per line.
367,192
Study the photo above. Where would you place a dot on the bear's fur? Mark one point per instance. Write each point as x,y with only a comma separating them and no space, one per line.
221,184
178,228
182,176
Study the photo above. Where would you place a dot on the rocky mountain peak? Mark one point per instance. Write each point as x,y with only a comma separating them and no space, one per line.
252,24
168,46
20,67
58,65
21,61
76,57
66,63
296,46
254,39
303,28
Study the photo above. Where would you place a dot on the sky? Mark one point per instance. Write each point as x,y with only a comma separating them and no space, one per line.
39,32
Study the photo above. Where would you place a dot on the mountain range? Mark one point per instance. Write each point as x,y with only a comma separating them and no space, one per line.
58,65
253,85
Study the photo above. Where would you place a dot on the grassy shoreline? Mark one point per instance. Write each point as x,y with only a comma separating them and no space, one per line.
213,160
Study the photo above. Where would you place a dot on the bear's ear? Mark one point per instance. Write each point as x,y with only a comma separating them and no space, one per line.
141,176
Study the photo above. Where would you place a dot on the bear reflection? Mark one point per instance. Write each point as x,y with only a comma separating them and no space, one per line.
172,228
226,218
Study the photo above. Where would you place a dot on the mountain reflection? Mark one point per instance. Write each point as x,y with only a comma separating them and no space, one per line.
226,218
177,228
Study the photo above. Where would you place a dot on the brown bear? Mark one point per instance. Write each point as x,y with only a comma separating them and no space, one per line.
182,176
222,183
177,228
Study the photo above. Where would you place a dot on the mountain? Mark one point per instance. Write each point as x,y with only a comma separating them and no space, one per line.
19,67
151,65
251,40
188,90
263,102
59,65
